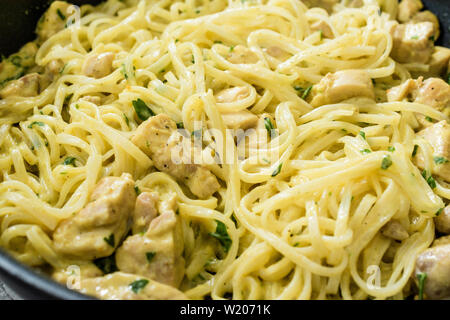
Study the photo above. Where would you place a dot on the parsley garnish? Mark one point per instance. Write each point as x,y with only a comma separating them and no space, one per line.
362,134
386,163
221,234
277,170
69,161
106,264
415,150
61,15
150,255
127,121
38,123
303,91
268,124
430,180
391,149
180,125
142,110
428,119
438,213
137,285
365,151
137,190
421,277
110,240
440,160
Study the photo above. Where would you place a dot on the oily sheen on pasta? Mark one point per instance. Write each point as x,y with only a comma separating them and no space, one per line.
304,216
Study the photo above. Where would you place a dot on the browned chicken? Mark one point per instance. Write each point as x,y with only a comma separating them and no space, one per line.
96,230
156,137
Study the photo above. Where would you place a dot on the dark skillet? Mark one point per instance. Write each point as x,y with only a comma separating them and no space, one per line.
18,19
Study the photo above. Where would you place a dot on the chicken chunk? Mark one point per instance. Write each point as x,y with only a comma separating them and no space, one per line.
17,64
158,138
442,221
342,85
96,230
54,68
324,4
145,211
428,16
407,9
53,21
413,42
395,230
438,136
277,52
239,120
242,55
157,254
99,65
323,27
439,62
123,286
26,86
433,92
435,263
232,94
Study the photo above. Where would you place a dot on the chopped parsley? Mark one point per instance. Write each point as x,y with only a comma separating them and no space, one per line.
428,119
38,123
430,180
416,147
277,170
142,110
362,134
391,149
304,92
268,124
127,121
365,151
106,264
438,213
110,240
221,234
440,160
150,255
69,161
180,125
421,277
60,14
137,190
231,48
138,285
386,163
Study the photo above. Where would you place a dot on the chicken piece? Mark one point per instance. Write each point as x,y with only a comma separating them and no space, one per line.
433,92
87,270
277,52
17,64
342,85
438,136
232,94
54,68
428,16
435,263
395,230
157,254
324,27
158,138
324,4
407,9
439,62
99,65
123,286
27,86
53,20
96,230
412,42
441,241
442,221
240,54
239,120
145,211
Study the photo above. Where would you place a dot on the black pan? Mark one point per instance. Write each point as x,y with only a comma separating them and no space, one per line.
18,19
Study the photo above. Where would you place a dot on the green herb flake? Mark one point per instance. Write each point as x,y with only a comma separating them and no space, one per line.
38,123
365,151
231,48
277,170
421,277
438,213
440,160
430,180
127,121
142,110
391,149
110,240
150,255
69,161
362,134
60,14
428,119
106,264
221,234
268,124
304,92
416,147
180,125
137,190
138,285
386,163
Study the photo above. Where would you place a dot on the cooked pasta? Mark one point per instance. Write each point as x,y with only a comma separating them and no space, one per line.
331,196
